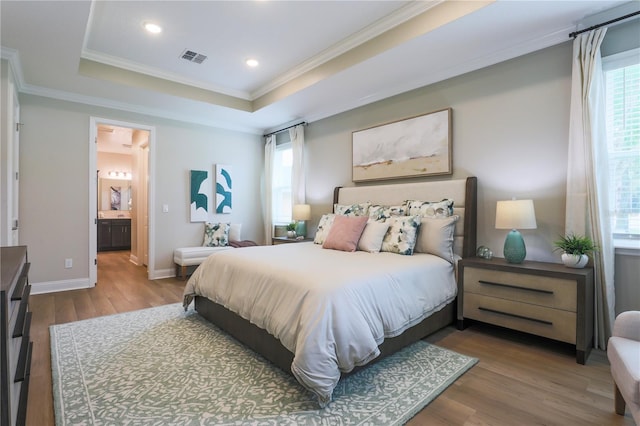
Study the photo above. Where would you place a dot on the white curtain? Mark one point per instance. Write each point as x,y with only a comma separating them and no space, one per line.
296,135
269,153
587,208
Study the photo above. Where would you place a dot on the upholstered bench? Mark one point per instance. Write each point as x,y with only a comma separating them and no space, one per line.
217,237
192,256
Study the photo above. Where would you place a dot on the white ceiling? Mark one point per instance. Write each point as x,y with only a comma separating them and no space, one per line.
317,58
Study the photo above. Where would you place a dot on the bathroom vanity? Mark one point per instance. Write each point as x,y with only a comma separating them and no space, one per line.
114,234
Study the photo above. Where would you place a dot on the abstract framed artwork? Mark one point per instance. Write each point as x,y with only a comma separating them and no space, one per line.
416,146
200,195
223,188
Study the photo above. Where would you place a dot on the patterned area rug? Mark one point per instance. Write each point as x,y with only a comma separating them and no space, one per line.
164,366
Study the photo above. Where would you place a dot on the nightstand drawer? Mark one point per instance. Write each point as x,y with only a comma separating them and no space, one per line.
548,292
542,321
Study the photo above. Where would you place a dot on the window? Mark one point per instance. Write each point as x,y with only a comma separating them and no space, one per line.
282,163
622,86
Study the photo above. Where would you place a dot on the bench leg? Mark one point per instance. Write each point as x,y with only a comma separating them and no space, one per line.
619,401
181,272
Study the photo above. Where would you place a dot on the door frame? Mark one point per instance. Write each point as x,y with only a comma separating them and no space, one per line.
14,169
93,192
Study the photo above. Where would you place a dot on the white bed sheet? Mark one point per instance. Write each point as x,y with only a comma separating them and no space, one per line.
330,308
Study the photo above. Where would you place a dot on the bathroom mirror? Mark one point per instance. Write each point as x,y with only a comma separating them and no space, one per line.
115,194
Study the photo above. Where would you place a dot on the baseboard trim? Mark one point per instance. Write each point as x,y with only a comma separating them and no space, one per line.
159,274
80,283
62,285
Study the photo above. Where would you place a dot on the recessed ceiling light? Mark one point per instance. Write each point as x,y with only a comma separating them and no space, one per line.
152,28
252,63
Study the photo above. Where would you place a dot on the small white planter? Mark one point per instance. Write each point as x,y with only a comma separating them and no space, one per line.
575,260
291,234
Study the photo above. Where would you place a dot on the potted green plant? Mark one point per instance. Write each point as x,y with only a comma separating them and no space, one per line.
576,249
291,230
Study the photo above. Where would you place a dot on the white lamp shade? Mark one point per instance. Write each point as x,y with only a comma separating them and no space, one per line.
515,214
301,212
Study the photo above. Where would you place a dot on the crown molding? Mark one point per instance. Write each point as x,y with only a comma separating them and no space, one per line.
114,61
137,109
12,56
528,46
381,26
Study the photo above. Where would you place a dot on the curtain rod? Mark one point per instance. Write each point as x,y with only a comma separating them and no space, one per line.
304,123
575,33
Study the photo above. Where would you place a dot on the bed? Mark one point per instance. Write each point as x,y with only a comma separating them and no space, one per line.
319,313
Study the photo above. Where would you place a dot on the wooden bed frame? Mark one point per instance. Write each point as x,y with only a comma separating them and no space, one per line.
270,348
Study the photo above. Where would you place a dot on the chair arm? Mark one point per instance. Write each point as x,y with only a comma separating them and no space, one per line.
627,325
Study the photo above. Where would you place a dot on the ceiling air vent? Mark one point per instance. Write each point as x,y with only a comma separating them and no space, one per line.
192,56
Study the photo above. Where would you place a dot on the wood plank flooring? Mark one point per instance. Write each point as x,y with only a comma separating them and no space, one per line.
519,380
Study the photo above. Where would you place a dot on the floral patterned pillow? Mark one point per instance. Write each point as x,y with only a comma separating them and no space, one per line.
216,234
323,228
380,213
401,236
359,209
442,208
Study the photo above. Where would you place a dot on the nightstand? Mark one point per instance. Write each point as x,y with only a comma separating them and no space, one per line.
545,299
286,240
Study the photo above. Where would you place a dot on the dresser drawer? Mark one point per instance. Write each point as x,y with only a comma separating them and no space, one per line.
548,292
542,321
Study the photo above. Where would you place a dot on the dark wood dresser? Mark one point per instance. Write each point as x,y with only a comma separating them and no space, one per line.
16,347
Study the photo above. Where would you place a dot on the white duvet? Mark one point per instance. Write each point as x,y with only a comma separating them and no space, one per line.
330,308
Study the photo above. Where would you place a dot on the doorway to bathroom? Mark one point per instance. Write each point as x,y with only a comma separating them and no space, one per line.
121,192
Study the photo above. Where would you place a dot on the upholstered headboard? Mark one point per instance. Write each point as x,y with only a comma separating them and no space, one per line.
462,191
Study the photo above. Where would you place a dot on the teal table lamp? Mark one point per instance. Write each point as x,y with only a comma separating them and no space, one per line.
301,213
514,215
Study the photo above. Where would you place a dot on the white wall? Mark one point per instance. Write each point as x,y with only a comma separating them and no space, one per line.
54,157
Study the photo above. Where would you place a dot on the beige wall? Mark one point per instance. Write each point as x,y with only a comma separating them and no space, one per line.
510,129
55,187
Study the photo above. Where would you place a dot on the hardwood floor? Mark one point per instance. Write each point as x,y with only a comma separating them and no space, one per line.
519,379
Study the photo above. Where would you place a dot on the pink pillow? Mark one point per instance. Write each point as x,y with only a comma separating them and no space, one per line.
345,232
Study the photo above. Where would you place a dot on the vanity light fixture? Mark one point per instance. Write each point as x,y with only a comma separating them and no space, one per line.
119,175
152,28
252,63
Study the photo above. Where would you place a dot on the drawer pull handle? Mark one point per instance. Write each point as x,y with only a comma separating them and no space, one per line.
535,290
515,316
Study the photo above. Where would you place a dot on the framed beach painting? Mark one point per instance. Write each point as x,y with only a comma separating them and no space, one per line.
416,146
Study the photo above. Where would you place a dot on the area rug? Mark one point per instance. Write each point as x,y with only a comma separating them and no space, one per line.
163,366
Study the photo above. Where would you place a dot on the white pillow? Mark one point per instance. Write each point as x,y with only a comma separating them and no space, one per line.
235,232
323,228
436,236
372,236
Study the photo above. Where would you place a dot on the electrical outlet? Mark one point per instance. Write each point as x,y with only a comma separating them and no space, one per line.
165,208
68,263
